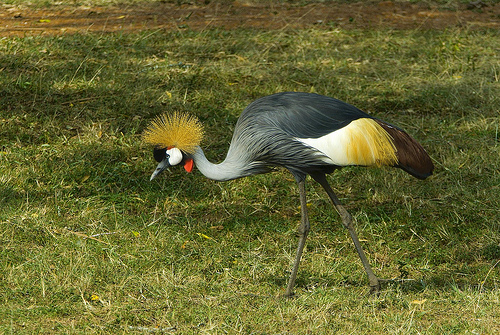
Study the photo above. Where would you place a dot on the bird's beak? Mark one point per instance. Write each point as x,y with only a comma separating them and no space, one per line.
159,169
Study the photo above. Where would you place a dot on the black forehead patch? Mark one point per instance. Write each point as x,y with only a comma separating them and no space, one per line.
159,154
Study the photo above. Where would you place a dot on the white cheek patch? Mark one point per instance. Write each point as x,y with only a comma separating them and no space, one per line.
175,156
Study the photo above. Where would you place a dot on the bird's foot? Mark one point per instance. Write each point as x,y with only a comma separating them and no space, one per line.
374,287
375,284
287,295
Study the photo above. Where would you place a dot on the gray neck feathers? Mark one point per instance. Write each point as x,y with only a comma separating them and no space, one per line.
227,170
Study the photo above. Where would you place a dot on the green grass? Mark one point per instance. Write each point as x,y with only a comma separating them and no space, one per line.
187,255
442,4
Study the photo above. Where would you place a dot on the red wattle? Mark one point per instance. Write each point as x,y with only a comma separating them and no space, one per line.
188,166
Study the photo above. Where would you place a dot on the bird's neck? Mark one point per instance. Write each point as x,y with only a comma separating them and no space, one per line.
226,170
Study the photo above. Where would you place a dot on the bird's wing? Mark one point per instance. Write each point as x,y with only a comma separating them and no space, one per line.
269,130
305,131
339,133
303,115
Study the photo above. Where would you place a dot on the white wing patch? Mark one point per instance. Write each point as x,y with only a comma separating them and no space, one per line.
361,142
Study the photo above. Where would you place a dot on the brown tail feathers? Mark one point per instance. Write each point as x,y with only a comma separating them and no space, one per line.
412,157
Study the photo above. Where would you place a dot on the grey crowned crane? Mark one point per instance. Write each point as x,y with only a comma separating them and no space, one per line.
308,134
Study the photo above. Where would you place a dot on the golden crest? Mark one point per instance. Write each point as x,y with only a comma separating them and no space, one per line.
179,130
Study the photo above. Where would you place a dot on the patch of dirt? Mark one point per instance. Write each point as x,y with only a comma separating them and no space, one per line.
22,21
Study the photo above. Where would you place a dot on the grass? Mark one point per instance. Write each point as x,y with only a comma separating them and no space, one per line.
89,245
442,4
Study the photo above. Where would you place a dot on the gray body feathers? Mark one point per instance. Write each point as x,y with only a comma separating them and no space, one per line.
269,130
266,133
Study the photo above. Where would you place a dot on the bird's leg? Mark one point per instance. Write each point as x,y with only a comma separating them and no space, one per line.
347,222
303,231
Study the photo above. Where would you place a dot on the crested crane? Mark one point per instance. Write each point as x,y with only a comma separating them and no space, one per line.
308,134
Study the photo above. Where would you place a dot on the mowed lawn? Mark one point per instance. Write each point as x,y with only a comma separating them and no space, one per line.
88,245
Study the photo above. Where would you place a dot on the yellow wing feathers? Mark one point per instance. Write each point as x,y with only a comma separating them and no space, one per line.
362,142
369,144
179,130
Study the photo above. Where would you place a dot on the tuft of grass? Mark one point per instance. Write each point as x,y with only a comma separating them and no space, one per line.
89,245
